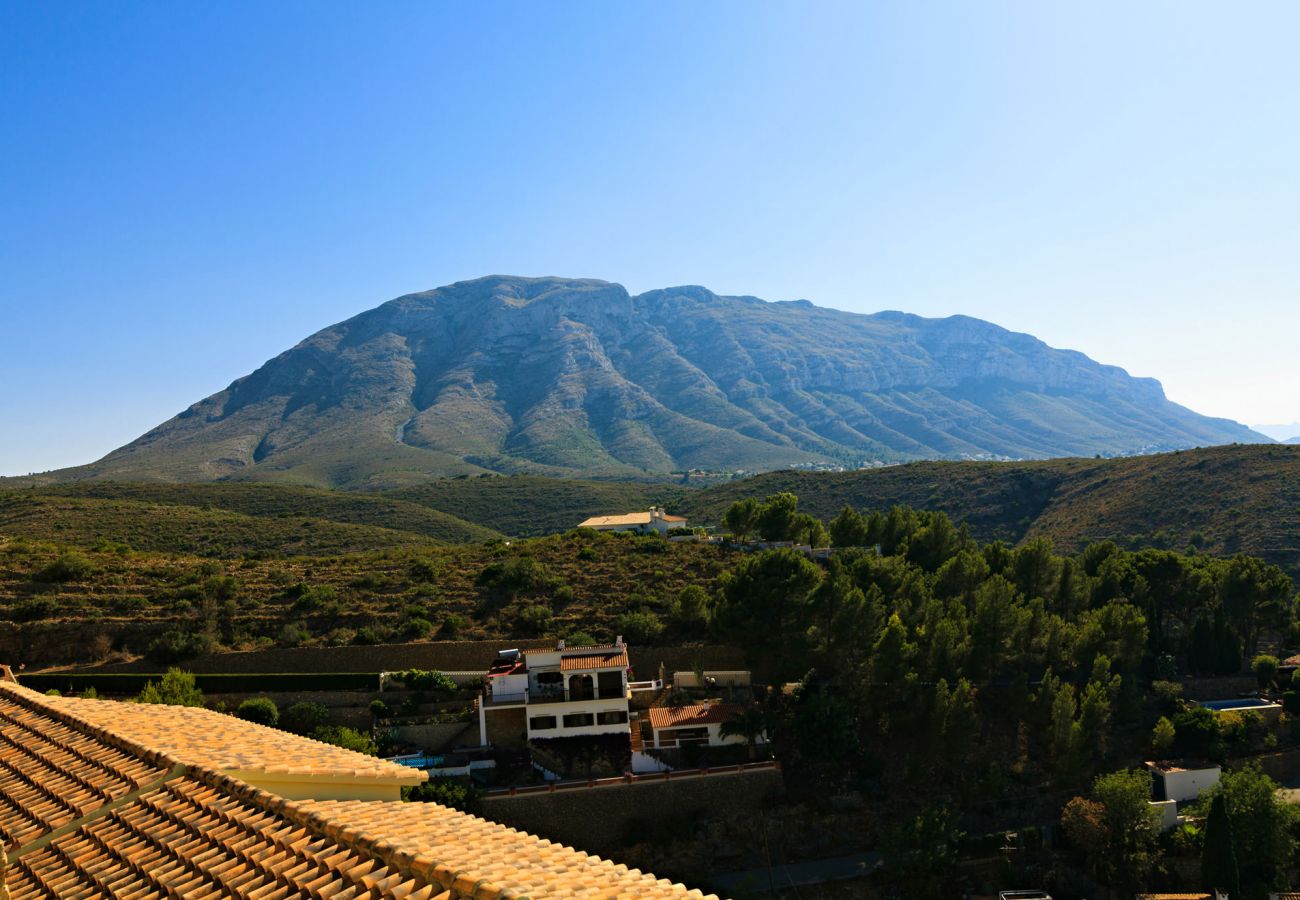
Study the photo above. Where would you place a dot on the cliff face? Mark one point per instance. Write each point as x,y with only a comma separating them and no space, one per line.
563,376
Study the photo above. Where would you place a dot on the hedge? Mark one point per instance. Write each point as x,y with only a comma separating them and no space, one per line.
128,683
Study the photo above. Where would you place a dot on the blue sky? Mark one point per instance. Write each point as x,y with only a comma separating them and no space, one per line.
189,189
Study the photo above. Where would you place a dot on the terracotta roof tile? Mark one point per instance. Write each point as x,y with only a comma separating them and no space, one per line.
608,659
214,740
641,518
699,714
140,825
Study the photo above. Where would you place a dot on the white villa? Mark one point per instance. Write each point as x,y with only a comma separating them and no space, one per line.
652,520
677,726
560,692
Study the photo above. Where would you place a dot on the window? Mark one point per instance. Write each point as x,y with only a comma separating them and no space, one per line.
541,723
610,685
578,720
581,687
612,717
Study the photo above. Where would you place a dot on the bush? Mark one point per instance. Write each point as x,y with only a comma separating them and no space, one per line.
640,627
303,717
446,791
174,645
417,627
34,609
451,626
70,566
176,688
1265,668
293,634
1291,702
371,635
347,738
425,569
432,681
533,619
380,710
261,710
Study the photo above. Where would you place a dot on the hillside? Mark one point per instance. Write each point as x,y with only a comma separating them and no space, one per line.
1222,500
532,505
157,527
570,377
79,605
284,501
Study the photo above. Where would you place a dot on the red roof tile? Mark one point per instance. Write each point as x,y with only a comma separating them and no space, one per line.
700,714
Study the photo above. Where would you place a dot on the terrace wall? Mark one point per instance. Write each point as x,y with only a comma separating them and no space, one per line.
622,810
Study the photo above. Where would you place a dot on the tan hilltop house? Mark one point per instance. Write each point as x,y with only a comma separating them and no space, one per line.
652,520
100,799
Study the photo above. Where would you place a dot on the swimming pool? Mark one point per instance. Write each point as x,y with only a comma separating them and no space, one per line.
1242,703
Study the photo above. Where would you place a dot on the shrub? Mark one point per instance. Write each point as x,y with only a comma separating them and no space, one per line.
1162,736
176,688
34,609
174,645
293,634
371,634
312,598
425,569
417,627
1265,668
533,619
446,791
70,566
587,554
347,738
303,717
261,710
451,626
640,627
1291,702
380,710
430,680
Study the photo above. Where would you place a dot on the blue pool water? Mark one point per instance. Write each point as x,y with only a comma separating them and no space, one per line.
1244,703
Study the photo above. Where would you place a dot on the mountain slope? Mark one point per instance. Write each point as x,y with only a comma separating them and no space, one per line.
1222,500
575,377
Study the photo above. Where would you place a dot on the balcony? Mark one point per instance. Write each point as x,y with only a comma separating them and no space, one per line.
555,694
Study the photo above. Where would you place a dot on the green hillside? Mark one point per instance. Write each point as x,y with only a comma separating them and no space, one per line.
281,501
531,505
173,528
1222,500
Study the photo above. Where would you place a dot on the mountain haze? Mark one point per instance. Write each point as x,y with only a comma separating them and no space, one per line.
577,377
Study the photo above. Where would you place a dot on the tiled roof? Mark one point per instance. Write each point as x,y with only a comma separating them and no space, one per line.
87,813
513,859
699,714
203,737
1200,896
605,660
642,518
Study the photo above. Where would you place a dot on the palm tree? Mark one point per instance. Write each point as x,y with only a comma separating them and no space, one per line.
750,724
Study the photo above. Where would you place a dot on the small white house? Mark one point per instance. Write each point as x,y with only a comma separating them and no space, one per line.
677,726
1182,780
652,520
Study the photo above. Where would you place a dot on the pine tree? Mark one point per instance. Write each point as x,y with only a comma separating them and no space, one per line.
1218,859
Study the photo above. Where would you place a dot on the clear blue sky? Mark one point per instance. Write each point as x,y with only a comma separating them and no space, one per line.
188,189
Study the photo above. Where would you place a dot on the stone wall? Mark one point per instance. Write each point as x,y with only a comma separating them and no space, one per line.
603,819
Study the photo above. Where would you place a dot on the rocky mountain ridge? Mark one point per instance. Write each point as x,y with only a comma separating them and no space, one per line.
578,377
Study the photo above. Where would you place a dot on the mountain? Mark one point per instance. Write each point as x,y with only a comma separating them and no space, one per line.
1221,500
1284,433
570,377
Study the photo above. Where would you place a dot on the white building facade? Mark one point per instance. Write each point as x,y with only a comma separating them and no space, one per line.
564,692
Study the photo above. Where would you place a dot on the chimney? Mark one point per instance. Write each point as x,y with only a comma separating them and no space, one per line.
618,641
559,645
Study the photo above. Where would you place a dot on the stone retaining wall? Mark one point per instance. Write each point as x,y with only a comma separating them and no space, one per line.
603,819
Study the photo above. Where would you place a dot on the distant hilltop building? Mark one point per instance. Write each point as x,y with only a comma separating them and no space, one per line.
653,519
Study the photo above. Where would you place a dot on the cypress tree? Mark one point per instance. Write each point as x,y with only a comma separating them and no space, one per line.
1218,859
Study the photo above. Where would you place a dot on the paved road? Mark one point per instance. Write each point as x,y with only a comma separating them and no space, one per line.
787,875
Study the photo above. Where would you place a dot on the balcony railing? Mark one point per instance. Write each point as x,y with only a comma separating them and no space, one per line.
548,695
